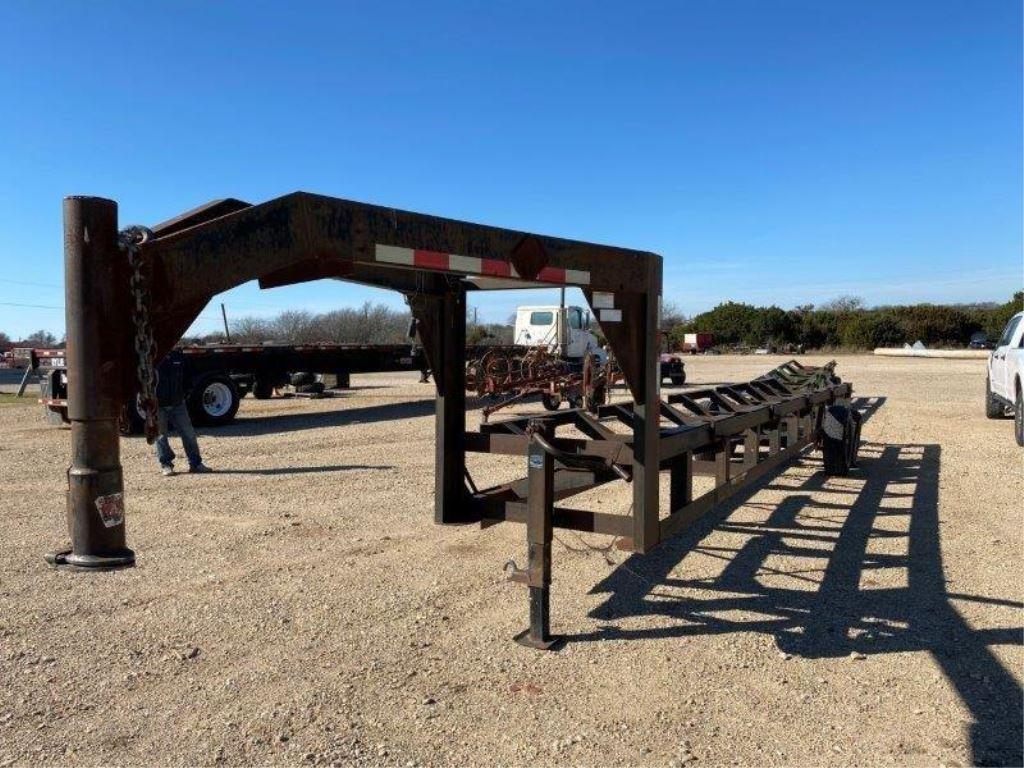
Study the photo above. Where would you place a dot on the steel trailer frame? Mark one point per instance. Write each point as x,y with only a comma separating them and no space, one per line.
433,261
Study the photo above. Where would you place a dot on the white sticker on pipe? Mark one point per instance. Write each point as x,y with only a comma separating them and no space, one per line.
111,509
602,300
611,315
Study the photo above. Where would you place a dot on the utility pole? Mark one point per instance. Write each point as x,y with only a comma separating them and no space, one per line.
224,314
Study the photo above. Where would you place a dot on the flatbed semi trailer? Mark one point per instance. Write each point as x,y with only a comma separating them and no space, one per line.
218,376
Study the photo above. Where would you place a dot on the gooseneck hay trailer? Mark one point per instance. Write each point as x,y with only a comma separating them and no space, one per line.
132,294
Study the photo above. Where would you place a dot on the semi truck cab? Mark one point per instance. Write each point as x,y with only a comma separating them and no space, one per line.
564,331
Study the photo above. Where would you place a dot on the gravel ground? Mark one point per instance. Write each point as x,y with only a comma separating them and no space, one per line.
300,607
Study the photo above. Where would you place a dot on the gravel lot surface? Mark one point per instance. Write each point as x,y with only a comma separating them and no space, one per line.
299,606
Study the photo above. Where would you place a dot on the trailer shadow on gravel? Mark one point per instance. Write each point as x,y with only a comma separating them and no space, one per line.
271,471
844,605
253,426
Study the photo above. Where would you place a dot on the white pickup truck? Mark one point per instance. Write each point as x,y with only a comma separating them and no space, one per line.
1006,376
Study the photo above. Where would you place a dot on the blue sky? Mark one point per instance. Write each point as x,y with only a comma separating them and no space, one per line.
773,152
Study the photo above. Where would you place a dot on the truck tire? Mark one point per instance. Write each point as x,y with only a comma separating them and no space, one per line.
1018,417
837,437
262,389
678,379
551,402
213,401
993,408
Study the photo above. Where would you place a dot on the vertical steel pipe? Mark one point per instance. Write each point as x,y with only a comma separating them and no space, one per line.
450,420
540,501
96,290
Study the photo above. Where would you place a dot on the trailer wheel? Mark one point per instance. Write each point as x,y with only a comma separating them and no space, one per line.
678,379
213,401
551,402
993,408
262,389
855,422
837,437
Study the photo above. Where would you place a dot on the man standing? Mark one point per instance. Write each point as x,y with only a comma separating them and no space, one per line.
172,412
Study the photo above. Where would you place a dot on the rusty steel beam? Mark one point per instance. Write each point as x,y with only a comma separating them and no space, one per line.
97,331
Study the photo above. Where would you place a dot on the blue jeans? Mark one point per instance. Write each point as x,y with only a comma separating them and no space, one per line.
176,416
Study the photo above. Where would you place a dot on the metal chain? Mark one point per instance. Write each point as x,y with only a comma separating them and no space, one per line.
129,240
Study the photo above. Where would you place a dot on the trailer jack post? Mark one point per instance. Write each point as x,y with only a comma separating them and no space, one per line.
95,496
539,534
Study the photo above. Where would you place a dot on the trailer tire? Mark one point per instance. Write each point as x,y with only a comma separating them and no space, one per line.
550,402
262,389
213,401
855,421
314,388
837,433
993,407
303,377
678,379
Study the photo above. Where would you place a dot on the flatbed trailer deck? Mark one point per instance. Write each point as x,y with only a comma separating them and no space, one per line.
218,376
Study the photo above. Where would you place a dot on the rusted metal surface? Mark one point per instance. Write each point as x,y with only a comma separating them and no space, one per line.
97,334
735,433
507,375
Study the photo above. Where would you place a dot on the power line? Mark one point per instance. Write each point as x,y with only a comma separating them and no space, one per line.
33,306
28,282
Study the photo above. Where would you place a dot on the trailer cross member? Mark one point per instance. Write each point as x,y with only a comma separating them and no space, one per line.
434,261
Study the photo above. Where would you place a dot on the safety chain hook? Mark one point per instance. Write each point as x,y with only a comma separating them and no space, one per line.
130,240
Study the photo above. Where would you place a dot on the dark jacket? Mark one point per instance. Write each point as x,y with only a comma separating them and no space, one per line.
170,380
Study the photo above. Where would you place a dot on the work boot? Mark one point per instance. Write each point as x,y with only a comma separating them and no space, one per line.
199,469
167,470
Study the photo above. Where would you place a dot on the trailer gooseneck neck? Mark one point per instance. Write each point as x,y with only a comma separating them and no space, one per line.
434,262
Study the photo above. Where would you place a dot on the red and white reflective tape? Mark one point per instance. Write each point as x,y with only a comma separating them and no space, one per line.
451,262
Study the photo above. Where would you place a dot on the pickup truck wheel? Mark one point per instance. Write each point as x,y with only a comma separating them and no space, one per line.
993,408
213,401
1018,417
551,402
837,435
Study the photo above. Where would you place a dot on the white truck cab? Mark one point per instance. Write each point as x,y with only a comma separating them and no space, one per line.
564,331
1006,376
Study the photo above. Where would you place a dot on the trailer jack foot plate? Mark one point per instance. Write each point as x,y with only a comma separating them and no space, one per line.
553,643
67,560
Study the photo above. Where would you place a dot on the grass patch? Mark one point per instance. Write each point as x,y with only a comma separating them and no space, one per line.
7,398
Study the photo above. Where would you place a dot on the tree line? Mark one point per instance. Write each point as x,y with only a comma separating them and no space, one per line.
842,322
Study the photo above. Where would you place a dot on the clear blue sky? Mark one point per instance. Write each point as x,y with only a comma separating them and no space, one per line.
772,152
